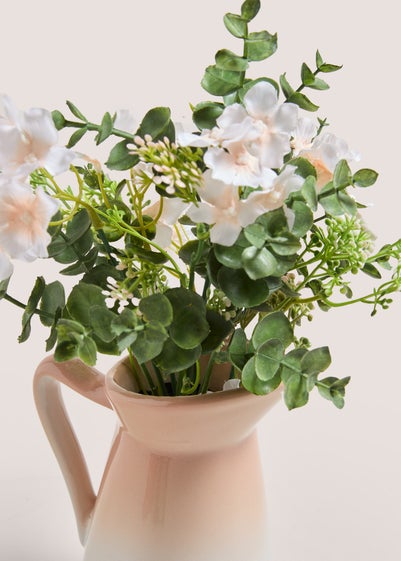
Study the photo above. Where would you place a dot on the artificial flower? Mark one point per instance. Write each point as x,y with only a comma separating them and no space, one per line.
173,209
28,140
304,134
24,219
222,208
325,152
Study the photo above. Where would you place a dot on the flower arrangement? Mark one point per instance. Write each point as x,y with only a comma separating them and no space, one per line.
217,243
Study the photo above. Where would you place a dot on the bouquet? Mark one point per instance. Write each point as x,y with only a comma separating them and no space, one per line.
192,248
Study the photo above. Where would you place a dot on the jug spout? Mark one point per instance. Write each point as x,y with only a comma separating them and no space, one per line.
50,405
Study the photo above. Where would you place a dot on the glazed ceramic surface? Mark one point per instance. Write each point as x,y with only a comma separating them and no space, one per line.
183,481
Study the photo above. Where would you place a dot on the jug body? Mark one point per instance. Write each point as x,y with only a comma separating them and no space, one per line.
183,481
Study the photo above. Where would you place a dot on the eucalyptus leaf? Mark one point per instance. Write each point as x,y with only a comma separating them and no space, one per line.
53,299
252,383
288,90
157,307
268,358
302,101
120,157
156,123
365,177
273,326
260,45
75,111
316,361
149,342
295,392
221,82
259,263
76,137
249,9
238,348
227,60
236,25
241,289
30,308
106,128
206,114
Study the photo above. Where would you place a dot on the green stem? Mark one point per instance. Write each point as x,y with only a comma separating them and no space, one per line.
21,305
208,373
94,127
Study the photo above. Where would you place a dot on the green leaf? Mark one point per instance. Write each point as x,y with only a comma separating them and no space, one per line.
307,75
227,60
329,67
319,59
124,322
342,175
242,290
319,84
291,364
219,329
206,114
30,308
221,82
106,128
101,321
260,45
333,389
157,307
304,167
371,270
174,359
58,119
316,361
236,25
75,111
295,392
189,326
230,256
156,122
87,351
268,359
76,137
303,218
149,342
253,384
82,297
249,9
309,192
237,349
302,101
288,90
259,263
256,235
53,299
365,177
120,157
273,326
285,245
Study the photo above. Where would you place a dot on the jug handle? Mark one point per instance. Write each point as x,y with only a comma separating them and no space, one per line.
55,420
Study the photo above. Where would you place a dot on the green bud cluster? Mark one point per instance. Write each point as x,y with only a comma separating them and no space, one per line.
175,168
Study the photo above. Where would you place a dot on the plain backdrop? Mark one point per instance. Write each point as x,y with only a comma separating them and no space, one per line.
332,477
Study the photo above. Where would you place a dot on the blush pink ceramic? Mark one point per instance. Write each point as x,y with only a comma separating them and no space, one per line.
183,481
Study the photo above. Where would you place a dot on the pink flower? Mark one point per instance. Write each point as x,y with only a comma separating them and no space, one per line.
24,219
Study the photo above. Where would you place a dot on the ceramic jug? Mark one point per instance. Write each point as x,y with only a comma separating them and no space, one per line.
183,481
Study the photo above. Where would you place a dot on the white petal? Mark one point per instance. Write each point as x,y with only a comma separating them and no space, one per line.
190,139
58,159
232,170
6,267
173,209
285,118
212,190
225,233
39,126
273,150
202,213
261,100
232,384
163,235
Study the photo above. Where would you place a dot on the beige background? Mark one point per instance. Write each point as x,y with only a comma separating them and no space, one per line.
332,477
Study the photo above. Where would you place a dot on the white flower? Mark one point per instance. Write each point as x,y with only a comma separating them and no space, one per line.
222,208
304,134
275,123
28,141
283,184
232,384
325,153
24,219
173,209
